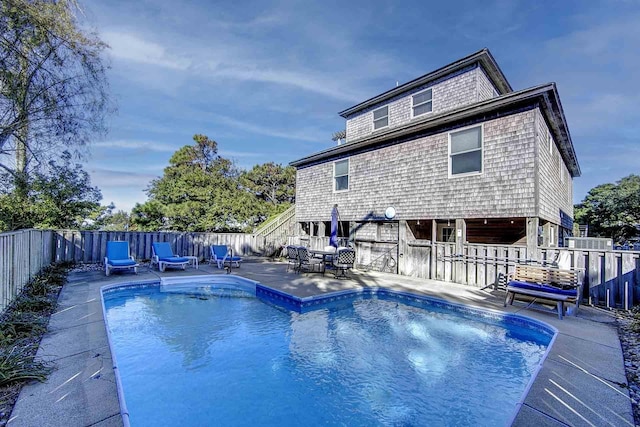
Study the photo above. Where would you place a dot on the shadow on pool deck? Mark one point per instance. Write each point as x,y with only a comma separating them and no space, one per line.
582,381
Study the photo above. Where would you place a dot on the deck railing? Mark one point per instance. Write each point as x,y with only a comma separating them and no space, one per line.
609,278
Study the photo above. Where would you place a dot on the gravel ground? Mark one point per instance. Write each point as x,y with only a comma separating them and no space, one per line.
629,333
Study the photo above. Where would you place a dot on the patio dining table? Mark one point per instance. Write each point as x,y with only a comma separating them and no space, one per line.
327,257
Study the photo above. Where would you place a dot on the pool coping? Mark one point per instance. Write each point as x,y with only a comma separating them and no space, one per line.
311,303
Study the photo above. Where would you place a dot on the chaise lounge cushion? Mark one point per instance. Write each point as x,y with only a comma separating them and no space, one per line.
121,262
164,253
174,259
543,288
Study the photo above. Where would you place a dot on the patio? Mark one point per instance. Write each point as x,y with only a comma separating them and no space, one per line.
581,383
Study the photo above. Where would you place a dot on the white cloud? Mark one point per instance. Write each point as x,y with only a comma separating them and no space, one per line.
130,47
306,80
243,60
109,178
297,134
244,154
603,42
137,145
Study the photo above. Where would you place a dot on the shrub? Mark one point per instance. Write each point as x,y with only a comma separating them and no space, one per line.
18,363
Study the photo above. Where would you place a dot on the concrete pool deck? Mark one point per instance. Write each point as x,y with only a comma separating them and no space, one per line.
582,381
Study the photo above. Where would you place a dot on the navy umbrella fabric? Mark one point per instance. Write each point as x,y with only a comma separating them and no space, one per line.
333,239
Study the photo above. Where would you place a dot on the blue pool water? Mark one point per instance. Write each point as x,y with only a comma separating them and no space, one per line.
227,358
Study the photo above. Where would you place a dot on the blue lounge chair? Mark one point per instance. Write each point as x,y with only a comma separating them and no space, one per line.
164,257
221,254
118,258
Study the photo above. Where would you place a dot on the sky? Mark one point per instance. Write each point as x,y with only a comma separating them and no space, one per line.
266,79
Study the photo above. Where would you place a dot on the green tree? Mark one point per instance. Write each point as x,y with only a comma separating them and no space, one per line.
272,183
148,216
612,210
107,220
53,89
199,191
61,198
202,191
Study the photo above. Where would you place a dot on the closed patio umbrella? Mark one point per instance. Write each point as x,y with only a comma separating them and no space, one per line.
333,239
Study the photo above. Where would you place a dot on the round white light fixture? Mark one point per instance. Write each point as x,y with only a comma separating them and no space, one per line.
390,212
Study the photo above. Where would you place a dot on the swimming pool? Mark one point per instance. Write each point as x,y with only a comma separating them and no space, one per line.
214,353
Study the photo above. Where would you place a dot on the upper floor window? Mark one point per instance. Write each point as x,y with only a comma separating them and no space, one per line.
380,117
560,166
465,151
341,175
550,141
422,102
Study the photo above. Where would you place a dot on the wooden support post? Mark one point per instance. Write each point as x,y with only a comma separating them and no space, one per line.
461,238
403,248
532,238
626,296
434,235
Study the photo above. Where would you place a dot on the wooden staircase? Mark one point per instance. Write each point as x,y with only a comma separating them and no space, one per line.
275,231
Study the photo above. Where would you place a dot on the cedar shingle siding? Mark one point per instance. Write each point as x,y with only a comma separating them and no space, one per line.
554,194
413,177
468,86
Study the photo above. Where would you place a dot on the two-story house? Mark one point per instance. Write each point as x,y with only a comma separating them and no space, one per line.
457,154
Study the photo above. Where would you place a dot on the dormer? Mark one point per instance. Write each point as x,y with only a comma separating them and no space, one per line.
467,81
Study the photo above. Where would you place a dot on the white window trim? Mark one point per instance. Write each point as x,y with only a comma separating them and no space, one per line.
348,175
414,105
482,147
374,120
561,168
550,141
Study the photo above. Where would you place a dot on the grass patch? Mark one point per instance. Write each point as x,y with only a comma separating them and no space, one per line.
22,326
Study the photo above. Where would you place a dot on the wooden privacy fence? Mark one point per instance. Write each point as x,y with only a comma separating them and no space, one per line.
609,278
24,253
90,246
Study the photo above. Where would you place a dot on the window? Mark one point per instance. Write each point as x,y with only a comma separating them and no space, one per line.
421,103
341,175
465,151
448,234
550,141
561,168
380,118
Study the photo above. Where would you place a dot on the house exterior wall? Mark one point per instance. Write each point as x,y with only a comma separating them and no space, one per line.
486,89
468,86
413,177
555,181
